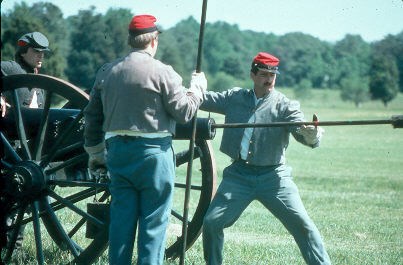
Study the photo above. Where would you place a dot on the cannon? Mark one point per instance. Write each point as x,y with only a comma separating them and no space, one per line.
45,180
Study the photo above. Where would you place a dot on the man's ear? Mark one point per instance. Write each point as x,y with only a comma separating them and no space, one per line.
252,75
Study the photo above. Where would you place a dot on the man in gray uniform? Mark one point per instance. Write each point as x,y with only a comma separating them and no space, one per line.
258,171
31,48
135,104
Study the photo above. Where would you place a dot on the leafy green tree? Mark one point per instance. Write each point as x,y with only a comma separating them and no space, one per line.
81,44
90,47
301,57
221,82
116,21
330,68
303,89
169,53
384,76
178,47
43,17
232,65
399,57
7,51
216,50
355,89
352,55
228,51
55,29
16,23
392,46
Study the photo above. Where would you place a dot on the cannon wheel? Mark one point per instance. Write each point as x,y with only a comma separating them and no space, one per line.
39,186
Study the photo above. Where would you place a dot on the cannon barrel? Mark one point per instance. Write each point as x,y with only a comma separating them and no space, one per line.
32,118
59,119
204,130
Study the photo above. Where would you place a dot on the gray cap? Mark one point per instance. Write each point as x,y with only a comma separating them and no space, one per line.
36,40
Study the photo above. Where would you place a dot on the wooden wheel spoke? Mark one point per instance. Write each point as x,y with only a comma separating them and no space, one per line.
184,156
82,221
15,228
192,187
20,127
76,209
40,137
69,162
177,215
60,140
37,232
73,198
77,227
62,151
62,236
9,151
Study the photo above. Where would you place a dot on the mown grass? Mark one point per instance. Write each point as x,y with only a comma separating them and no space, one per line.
351,186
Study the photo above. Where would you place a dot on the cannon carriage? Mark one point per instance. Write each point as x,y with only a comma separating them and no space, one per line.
45,180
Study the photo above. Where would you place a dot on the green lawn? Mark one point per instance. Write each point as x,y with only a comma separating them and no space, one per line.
351,186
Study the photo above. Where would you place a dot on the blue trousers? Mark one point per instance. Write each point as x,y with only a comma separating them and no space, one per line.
275,189
142,180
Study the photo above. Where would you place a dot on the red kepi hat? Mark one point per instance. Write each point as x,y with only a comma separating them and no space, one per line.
142,24
266,62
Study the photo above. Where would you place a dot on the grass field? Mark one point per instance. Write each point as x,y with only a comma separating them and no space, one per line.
352,187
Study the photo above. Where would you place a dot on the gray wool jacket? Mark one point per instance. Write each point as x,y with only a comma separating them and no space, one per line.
267,145
25,95
137,93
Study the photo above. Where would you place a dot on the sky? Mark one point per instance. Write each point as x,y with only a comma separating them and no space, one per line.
328,20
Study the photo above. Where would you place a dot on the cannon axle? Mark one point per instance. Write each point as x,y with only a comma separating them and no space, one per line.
26,180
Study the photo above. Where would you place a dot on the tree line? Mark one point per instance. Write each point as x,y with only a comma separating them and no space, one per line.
82,43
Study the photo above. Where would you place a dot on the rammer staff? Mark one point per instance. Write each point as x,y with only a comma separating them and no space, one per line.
396,121
191,143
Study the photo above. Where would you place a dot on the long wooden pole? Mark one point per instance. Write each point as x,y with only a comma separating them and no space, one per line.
192,142
396,121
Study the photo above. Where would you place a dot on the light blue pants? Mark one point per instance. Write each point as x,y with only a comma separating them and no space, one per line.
275,189
142,180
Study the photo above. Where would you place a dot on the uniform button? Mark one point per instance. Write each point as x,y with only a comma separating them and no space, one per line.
249,152
247,162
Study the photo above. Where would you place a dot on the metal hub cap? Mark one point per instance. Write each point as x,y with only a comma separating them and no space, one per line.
27,179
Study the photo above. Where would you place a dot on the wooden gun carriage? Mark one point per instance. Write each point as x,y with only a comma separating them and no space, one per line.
45,180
